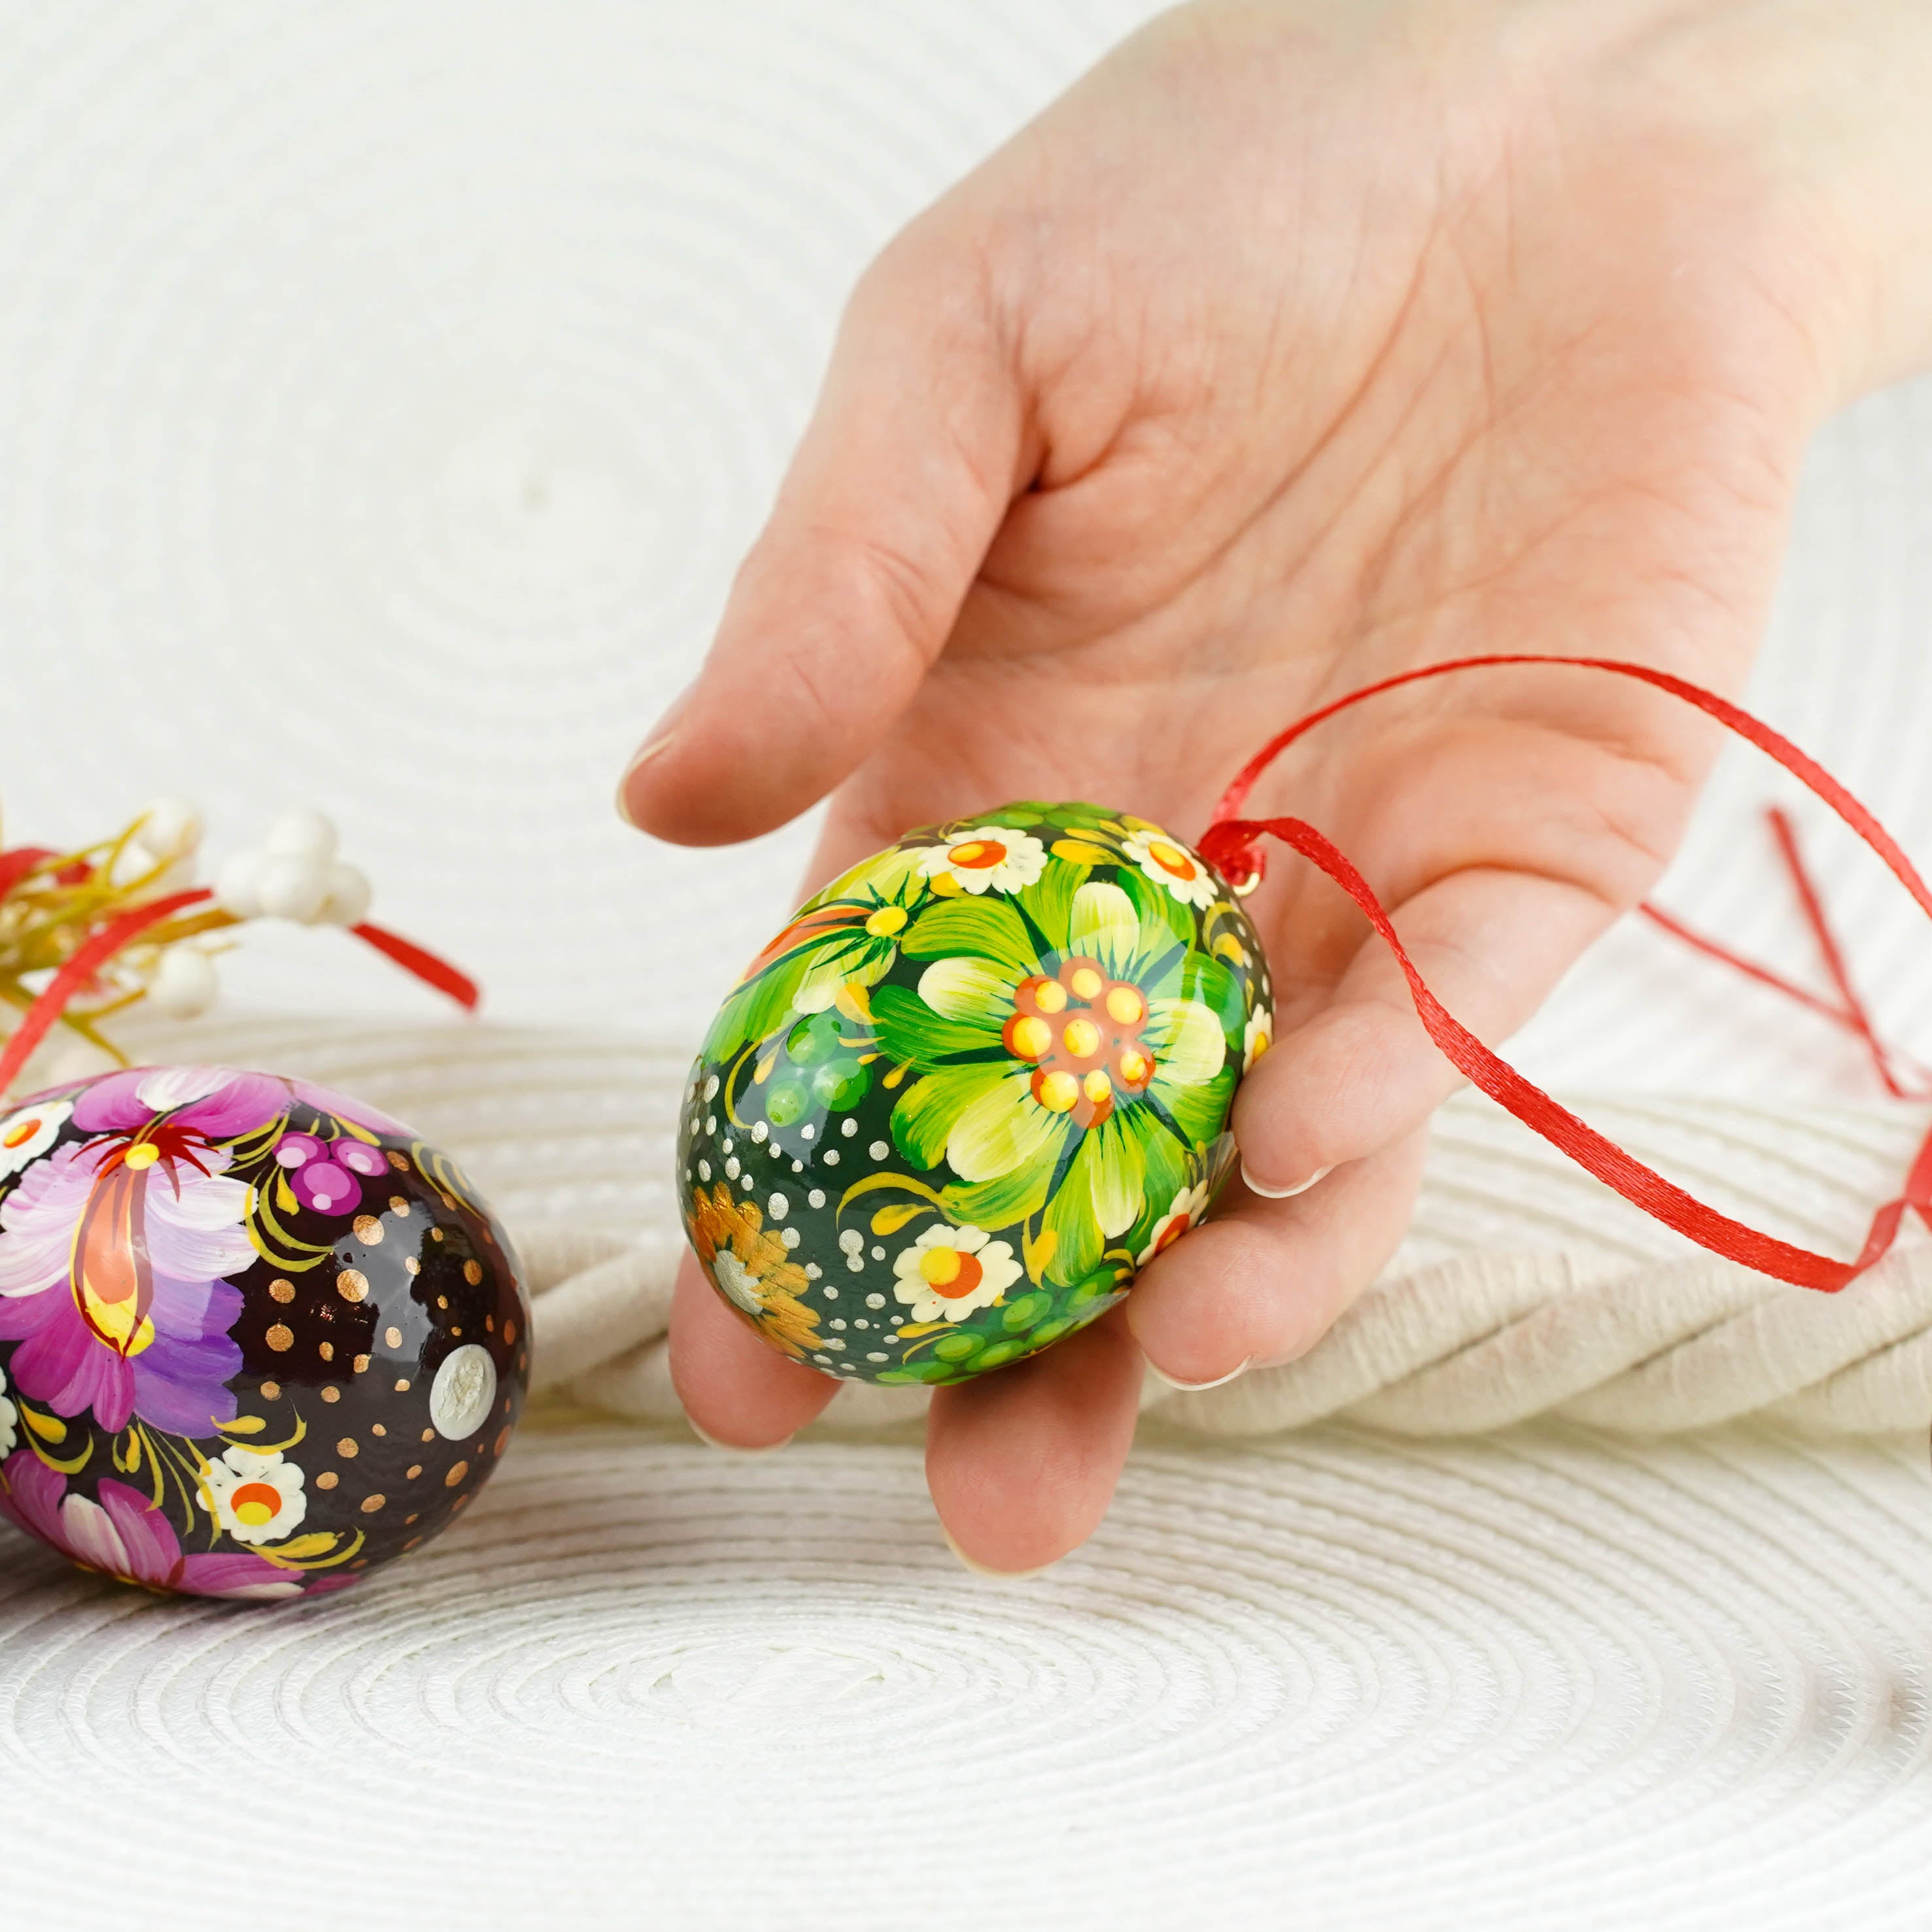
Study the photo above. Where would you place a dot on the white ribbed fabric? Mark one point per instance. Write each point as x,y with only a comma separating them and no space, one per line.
1524,1287
385,395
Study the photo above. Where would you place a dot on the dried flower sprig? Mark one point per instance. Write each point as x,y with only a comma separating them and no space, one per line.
86,934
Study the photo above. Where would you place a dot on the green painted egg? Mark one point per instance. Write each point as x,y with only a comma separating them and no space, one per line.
970,1090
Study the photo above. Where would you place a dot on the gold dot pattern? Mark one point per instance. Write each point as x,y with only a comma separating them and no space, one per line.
457,1471
327,1480
280,1338
472,1271
348,1448
392,1338
368,1230
331,1393
283,1291
353,1284
370,1505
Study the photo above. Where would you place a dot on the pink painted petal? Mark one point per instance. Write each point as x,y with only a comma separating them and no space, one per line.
22,1315
360,1158
298,1149
246,1577
194,1229
30,1493
87,1535
154,1550
112,1102
37,1220
327,1188
62,1363
238,1104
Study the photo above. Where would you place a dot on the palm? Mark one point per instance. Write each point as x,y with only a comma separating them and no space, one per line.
1381,399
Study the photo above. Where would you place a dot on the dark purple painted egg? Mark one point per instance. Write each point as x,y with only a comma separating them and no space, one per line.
256,1340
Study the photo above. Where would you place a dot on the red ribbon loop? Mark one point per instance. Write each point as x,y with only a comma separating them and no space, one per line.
101,946
1232,845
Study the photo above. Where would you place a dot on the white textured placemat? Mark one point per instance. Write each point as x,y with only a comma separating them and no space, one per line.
1545,1680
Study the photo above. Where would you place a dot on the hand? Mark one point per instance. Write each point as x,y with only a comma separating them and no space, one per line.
1301,344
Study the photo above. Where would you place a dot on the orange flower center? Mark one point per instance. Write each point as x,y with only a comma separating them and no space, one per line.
1177,1226
21,1132
1172,860
256,1504
950,1272
1081,1031
977,855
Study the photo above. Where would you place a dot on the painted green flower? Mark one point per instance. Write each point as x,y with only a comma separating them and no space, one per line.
1075,1052
844,940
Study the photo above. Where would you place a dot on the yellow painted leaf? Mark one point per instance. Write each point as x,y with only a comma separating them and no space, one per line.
72,1465
245,1425
872,1183
299,1548
1078,852
763,1071
48,1428
1229,948
1037,1250
890,1220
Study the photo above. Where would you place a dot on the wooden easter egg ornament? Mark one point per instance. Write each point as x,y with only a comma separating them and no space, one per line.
255,1339
972,1086
979,1081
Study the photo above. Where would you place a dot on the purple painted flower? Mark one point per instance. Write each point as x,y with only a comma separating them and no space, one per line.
323,1174
213,1103
112,1252
124,1535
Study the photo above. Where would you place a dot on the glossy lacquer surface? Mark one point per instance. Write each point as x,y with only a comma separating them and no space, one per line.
971,1088
255,1339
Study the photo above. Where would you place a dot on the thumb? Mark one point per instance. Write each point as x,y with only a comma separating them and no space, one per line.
903,476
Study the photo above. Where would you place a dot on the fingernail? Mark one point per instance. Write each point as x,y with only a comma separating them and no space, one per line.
1160,1375
1254,1186
661,733
735,1448
986,1569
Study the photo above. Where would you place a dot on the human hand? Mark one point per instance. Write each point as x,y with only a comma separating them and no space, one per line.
1301,343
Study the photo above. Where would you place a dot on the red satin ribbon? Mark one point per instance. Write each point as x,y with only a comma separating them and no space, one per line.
79,972
1902,1077
1233,846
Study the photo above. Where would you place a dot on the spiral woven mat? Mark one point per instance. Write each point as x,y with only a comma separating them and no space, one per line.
386,395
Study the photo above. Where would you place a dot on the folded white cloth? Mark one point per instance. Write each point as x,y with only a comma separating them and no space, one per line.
1525,1289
